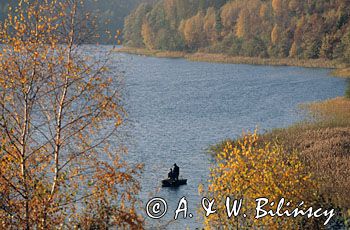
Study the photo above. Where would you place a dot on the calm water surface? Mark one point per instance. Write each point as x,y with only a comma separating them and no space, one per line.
177,109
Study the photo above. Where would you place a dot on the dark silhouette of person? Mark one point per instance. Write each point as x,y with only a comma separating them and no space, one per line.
171,174
176,172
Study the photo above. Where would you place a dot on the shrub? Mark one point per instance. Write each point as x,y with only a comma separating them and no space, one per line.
248,169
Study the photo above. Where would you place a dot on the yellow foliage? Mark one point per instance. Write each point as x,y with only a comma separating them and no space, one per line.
56,100
192,30
274,35
293,50
230,13
277,6
241,27
263,10
251,170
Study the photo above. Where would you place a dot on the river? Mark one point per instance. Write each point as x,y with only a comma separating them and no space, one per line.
177,109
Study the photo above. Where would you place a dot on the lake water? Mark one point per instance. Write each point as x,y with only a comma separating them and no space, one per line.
178,108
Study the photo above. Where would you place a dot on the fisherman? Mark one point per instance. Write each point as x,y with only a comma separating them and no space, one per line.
171,174
176,172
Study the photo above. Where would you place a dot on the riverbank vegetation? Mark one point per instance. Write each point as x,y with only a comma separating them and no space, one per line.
343,72
323,147
60,110
226,58
265,29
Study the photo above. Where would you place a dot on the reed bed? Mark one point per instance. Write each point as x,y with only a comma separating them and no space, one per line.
225,58
343,72
153,53
333,112
324,145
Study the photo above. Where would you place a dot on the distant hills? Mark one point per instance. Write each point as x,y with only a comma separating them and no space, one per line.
110,14
309,29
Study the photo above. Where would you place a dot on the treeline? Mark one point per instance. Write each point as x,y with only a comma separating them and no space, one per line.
257,28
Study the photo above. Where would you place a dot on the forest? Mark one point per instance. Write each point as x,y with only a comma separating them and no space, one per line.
309,29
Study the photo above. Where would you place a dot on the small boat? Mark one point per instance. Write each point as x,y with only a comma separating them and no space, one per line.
173,183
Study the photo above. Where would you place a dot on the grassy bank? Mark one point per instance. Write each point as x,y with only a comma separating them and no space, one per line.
224,58
152,53
342,72
325,147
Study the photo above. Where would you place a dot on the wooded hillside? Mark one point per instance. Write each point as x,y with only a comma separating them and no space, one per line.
258,28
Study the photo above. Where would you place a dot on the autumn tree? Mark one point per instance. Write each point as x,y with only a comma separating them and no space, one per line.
274,34
249,169
133,25
277,7
242,24
192,30
209,26
252,28
147,35
59,115
293,50
263,10
229,14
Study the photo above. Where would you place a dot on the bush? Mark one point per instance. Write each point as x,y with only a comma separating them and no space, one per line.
250,169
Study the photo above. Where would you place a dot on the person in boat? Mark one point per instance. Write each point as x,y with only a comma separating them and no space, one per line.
176,172
171,174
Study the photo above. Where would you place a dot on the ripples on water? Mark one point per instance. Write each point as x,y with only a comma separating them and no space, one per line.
177,109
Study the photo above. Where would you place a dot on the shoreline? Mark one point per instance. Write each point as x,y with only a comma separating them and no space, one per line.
340,69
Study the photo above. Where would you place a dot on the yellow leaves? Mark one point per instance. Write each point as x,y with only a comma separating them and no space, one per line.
275,34
263,10
251,169
193,30
104,69
35,60
41,27
277,6
242,24
119,121
229,13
